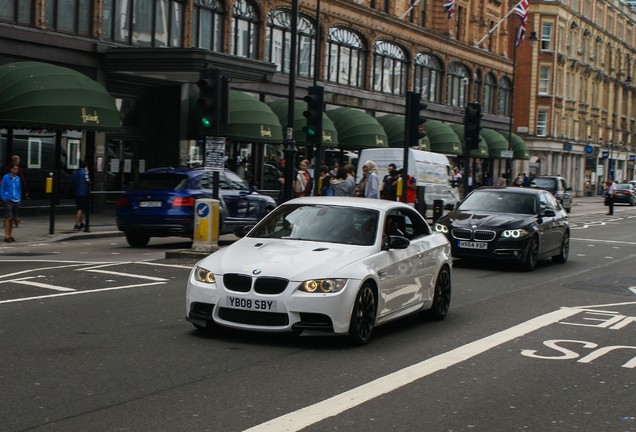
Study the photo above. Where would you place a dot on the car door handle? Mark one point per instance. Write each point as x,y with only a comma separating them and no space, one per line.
381,273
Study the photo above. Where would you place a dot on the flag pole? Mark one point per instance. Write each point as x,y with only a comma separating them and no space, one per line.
498,24
410,8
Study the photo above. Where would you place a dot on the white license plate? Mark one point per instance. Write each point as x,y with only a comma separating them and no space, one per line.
250,304
472,245
150,204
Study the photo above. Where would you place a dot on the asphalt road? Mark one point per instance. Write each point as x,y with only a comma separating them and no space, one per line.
93,337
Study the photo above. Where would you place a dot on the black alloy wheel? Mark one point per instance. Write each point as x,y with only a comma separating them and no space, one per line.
564,252
530,261
363,316
442,296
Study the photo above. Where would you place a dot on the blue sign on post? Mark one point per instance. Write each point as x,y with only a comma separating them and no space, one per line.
203,210
632,158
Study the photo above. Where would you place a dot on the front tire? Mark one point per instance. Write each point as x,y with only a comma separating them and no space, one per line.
363,316
565,250
442,296
530,261
137,240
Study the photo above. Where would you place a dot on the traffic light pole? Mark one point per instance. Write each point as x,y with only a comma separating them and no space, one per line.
289,143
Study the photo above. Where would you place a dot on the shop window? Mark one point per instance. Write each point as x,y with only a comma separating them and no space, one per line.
428,77
345,57
389,68
17,11
278,41
207,25
245,27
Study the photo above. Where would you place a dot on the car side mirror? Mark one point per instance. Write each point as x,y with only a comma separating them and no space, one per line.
395,242
549,213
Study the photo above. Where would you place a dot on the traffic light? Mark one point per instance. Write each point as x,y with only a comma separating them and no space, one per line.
314,99
414,122
212,102
472,119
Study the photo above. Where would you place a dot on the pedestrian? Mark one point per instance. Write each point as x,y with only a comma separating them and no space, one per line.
24,189
81,189
518,181
351,178
11,194
502,180
340,185
302,182
610,195
324,182
410,188
389,183
372,188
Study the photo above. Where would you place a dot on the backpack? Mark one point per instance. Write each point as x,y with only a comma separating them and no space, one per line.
303,185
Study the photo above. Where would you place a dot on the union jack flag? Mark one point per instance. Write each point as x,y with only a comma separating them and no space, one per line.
521,9
450,7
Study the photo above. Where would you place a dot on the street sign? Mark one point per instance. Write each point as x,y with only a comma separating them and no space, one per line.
214,154
506,154
605,154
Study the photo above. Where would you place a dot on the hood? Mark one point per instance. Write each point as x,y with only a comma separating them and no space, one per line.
291,259
485,220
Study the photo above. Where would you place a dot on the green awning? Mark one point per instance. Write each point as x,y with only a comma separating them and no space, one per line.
37,95
393,125
357,130
251,121
496,142
442,138
482,147
329,132
519,148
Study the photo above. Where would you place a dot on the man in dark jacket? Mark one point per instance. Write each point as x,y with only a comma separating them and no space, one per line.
81,188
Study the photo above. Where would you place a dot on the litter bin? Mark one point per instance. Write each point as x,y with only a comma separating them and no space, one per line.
206,225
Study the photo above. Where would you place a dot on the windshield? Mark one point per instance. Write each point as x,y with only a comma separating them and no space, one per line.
543,183
498,201
334,224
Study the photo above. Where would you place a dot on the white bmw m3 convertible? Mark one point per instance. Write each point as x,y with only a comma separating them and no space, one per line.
324,264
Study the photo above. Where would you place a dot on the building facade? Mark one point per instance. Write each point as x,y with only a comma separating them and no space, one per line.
365,53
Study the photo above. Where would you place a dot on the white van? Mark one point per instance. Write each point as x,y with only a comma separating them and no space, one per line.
431,170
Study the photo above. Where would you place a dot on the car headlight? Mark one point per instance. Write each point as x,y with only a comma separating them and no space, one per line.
515,233
440,228
204,275
322,285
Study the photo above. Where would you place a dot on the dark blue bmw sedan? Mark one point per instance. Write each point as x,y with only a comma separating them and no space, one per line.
160,203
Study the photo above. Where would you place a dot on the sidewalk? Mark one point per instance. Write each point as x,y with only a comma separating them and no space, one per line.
36,226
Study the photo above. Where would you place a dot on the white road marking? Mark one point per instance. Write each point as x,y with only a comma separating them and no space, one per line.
335,405
605,241
26,281
80,292
153,278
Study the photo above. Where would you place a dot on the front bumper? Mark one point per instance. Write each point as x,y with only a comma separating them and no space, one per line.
294,311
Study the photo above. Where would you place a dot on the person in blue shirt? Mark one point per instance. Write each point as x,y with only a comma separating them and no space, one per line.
81,186
11,194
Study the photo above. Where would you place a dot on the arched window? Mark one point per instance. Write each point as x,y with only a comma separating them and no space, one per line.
244,29
490,91
428,77
389,68
278,40
207,25
457,85
345,59
504,107
478,84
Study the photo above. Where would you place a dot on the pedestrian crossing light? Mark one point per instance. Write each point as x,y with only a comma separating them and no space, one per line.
414,121
314,99
472,120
